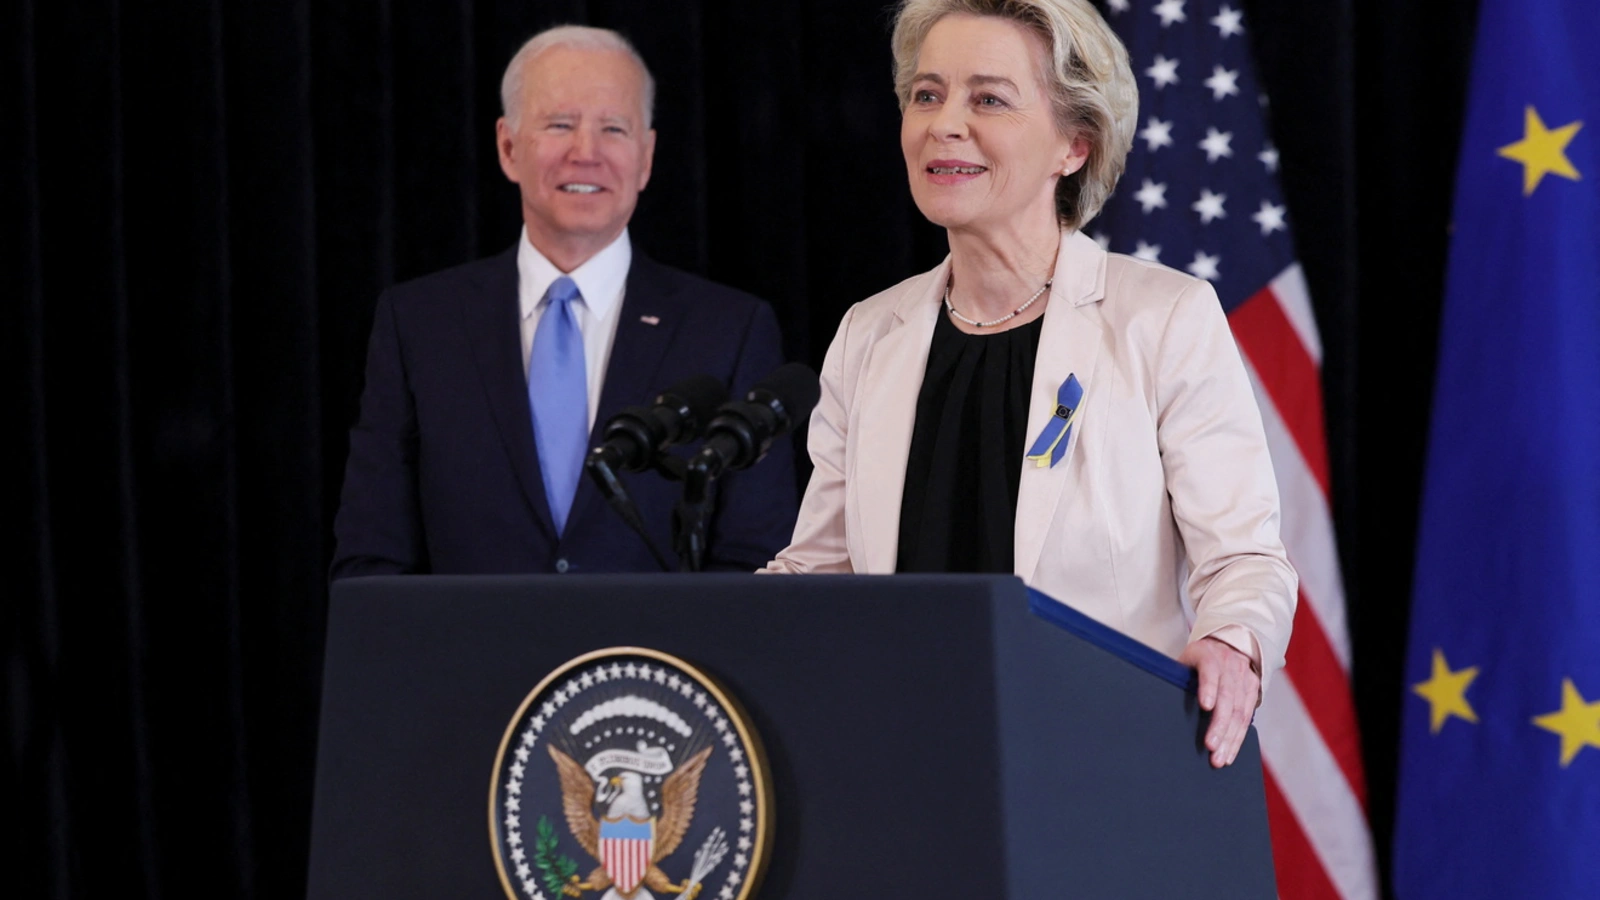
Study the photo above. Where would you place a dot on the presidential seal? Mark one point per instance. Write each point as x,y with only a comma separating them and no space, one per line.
630,774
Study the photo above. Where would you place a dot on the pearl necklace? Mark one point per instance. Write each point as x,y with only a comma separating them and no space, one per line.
1006,318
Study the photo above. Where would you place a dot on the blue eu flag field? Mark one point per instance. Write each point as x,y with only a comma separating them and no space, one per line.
1500,752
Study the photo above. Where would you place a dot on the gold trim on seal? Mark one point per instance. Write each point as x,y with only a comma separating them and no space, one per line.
748,738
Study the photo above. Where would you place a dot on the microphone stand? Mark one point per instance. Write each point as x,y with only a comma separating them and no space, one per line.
689,518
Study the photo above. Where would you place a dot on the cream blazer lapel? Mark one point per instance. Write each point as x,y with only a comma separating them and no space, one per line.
885,415
1069,344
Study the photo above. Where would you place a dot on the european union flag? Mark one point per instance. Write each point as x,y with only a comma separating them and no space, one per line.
1500,752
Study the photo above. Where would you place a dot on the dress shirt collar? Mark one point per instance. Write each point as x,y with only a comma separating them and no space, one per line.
600,279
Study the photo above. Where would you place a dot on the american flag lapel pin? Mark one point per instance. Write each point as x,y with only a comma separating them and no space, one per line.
650,320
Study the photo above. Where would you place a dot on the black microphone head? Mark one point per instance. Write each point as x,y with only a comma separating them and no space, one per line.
629,439
694,400
792,391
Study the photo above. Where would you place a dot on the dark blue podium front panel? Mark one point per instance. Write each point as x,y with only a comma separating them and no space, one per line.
927,736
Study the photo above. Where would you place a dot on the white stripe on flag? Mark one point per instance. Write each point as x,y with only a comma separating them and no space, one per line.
1295,298
1306,526
1316,790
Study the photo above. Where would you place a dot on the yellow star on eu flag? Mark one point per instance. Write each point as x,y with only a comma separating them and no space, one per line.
1542,151
1577,722
1446,693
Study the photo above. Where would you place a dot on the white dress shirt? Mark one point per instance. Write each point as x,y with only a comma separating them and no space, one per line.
601,280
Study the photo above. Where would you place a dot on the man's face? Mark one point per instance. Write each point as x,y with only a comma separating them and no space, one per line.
580,151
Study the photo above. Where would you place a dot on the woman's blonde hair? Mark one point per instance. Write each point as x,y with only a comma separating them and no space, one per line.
1091,86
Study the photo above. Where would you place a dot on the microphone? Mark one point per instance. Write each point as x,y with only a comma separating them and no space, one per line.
634,438
737,438
742,431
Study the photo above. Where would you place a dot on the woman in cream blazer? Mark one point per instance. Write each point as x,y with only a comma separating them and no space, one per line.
1161,517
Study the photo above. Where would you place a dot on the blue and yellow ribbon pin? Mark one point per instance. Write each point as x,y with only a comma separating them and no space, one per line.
1051,444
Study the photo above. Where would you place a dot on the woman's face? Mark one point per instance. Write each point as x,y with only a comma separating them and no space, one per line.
979,138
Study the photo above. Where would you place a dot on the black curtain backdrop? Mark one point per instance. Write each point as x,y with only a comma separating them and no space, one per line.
205,199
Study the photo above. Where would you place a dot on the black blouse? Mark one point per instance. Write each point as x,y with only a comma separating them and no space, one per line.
959,506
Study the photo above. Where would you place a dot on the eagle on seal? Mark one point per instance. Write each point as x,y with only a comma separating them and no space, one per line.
624,799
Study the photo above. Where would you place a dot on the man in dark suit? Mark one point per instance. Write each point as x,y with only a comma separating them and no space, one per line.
487,383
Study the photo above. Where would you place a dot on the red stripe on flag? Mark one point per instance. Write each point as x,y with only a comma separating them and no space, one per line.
1299,870
1288,373
1325,692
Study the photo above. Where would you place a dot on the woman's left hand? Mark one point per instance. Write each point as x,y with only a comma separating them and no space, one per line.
1229,690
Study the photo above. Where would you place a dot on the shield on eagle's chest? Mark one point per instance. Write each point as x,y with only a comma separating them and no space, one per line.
626,846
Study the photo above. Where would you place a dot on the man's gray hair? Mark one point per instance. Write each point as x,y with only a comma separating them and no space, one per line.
578,37
1087,76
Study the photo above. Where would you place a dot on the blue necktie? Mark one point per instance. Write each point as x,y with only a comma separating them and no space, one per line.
558,395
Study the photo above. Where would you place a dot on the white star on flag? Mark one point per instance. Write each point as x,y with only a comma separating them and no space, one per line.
1151,196
1204,266
1223,82
1163,71
1209,206
1217,144
1229,21
1118,6
1157,134
1269,158
1270,218
1148,252
1171,11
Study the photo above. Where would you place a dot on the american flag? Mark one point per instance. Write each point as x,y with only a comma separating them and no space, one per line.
1200,194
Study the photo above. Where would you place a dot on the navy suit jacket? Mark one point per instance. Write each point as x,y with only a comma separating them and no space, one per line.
443,475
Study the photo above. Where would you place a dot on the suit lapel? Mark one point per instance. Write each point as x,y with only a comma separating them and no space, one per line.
649,318
890,382
1069,344
494,333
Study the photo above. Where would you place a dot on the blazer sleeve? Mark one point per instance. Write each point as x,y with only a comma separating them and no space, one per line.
1220,479
755,508
378,529
819,544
